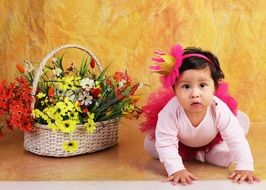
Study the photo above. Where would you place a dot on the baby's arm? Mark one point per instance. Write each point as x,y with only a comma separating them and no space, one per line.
239,147
167,147
234,137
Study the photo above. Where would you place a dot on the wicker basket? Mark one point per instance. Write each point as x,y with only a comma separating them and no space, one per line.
43,141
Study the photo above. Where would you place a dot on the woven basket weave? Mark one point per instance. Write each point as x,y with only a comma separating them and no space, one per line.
43,141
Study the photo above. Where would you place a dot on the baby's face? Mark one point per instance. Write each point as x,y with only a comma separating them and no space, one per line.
194,90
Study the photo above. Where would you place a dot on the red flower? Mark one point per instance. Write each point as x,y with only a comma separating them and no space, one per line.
3,104
26,124
92,63
23,90
85,110
95,92
2,85
16,109
15,101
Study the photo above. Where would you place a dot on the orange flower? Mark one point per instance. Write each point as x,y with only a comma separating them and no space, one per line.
51,91
118,76
118,93
20,68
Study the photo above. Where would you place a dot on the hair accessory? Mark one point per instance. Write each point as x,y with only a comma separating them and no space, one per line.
196,55
168,65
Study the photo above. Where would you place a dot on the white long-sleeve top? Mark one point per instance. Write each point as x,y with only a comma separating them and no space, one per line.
173,126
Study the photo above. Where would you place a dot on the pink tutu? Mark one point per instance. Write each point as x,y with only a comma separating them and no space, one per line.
156,103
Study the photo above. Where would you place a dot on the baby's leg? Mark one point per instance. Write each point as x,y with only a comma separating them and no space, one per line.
243,121
219,155
149,146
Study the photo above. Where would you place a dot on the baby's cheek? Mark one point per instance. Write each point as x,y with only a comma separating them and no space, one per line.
209,99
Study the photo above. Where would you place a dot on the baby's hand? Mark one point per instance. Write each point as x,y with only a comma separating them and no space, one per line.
183,176
243,175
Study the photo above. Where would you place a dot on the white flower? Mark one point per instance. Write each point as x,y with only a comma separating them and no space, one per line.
57,71
54,60
28,66
71,95
121,83
87,83
141,85
85,98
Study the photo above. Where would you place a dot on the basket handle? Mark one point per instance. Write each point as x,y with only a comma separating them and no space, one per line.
50,55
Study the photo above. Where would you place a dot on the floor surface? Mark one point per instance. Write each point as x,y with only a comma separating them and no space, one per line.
128,185
125,162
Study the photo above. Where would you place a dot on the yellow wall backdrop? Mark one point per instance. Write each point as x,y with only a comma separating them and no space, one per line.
125,33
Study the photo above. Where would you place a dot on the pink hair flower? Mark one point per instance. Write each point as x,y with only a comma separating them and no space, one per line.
164,63
168,64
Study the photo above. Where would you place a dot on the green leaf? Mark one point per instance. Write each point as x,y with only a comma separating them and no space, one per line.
84,67
102,74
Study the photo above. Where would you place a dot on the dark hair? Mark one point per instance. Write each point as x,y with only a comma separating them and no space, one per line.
201,63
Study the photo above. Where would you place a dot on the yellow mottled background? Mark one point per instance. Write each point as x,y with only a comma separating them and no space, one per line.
125,33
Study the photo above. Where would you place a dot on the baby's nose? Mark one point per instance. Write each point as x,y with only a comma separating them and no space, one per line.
195,93
195,96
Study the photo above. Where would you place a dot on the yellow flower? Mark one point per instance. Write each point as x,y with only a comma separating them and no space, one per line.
45,101
90,125
52,113
109,112
69,83
128,108
77,106
91,116
52,124
61,108
68,126
69,104
39,114
70,146
41,95
73,115
97,84
135,98
36,113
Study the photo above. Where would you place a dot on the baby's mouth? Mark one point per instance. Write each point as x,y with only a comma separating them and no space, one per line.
195,103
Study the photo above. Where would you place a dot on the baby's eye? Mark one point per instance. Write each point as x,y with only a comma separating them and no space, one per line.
202,85
186,86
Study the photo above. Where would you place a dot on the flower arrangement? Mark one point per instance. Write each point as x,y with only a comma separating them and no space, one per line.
68,97
15,100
